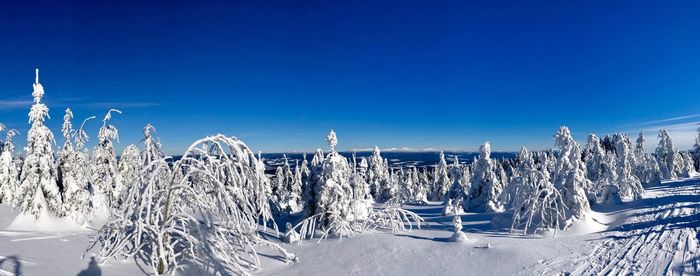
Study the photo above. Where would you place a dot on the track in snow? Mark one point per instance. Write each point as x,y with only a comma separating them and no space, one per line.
658,238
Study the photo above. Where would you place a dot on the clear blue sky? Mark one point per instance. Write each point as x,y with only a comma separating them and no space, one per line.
419,74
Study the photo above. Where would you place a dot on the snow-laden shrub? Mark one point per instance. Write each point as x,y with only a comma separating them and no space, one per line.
485,185
537,204
204,212
39,190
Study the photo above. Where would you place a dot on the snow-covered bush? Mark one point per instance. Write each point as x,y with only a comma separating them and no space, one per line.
485,186
203,212
458,194
106,189
39,191
378,174
569,175
537,204
457,234
9,175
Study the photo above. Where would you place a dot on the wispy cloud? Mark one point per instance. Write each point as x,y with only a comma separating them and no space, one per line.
679,118
14,104
117,104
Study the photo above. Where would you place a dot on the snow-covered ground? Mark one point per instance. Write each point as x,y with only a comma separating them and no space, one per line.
651,236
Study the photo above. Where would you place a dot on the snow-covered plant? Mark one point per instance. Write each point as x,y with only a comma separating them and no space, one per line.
667,156
378,175
696,151
74,177
628,183
104,167
441,182
39,191
204,212
361,199
9,175
130,164
595,156
457,234
646,167
485,185
569,175
457,194
688,166
337,212
537,204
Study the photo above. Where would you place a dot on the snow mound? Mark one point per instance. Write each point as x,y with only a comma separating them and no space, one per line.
45,223
458,237
593,222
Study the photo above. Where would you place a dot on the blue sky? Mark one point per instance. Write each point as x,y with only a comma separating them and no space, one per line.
280,74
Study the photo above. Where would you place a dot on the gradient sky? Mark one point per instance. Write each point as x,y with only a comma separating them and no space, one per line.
280,74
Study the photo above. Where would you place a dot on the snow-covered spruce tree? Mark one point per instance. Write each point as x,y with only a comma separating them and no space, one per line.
646,167
441,181
72,173
39,191
9,174
204,212
629,184
569,175
104,167
282,187
309,192
667,156
361,199
129,166
595,156
378,175
457,195
537,204
485,186
687,167
335,208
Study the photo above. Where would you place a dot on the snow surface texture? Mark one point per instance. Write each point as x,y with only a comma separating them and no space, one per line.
651,236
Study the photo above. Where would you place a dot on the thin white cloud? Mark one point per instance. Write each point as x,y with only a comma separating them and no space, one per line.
664,120
116,104
14,104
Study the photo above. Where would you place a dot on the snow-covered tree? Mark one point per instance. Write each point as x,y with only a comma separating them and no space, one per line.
9,174
537,204
687,165
39,190
129,166
204,212
595,156
458,194
667,156
457,234
72,172
629,184
378,174
485,185
104,167
646,167
569,175
441,182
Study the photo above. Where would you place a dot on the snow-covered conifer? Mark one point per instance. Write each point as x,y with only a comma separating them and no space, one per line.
485,186
39,190
441,182
104,167
378,175
9,174
73,175
646,167
537,204
457,195
569,175
629,184
667,156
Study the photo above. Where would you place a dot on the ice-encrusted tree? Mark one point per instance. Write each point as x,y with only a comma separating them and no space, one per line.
537,204
688,166
336,211
129,167
72,172
629,184
204,212
457,195
39,191
104,167
441,182
378,175
569,175
646,168
9,174
485,185
667,156
595,156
